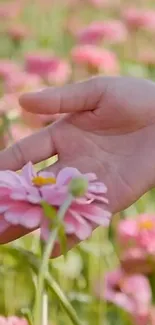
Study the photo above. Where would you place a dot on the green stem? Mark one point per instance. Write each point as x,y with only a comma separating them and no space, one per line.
33,261
46,255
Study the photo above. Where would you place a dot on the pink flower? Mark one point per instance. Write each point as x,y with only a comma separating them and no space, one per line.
112,31
137,18
137,242
18,32
13,320
7,67
99,3
131,293
21,196
95,57
21,81
10,9
49,67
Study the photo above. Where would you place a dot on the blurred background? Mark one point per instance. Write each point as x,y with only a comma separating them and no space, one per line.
53,42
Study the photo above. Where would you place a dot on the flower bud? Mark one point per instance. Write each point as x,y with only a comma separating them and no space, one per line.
78,186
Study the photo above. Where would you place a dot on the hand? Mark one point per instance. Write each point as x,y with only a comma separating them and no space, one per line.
109,129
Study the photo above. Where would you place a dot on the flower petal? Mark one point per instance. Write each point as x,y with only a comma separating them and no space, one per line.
90,177
66,174
54,196
94,214
9,179
15,213
28,173
97,188
82,228
31,218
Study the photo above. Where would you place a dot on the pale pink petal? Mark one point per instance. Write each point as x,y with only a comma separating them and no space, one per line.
18,194
46,174
82,228
54,196
34,198
15,213
31,218
90,177
97,188
94,214
28,173
66,174
9,179
82,200
98,198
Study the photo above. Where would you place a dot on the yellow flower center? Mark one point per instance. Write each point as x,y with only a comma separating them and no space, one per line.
41,181
146,224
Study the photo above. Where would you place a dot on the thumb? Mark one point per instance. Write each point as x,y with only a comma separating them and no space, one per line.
78,97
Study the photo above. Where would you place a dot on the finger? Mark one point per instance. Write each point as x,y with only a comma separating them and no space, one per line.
77,97
34,148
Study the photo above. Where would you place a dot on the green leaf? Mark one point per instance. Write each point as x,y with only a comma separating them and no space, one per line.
62,239
19,289
49,211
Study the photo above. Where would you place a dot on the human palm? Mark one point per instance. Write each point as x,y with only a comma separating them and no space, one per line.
108,129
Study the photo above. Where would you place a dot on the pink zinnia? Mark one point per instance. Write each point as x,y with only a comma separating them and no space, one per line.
18,32
7,67
112,31
136,18
21,196
10,9
131,293
95,57
21,81
137,243
13,320
49,67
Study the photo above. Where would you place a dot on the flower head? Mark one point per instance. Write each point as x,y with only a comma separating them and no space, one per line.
112,31
137,18
7,67
137,241
13,320
22,196
95,57
131,293
49,67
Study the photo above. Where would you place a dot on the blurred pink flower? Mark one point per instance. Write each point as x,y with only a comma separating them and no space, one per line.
99,3
21,81
139,18
131,293
10,9
49,67
136,238
21,196
7,67
18,32
95,57
112,31
13,320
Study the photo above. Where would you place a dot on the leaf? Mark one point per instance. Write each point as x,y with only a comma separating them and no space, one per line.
49,211
62,239
19,289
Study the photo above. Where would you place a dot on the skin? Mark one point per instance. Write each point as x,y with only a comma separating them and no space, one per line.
107,127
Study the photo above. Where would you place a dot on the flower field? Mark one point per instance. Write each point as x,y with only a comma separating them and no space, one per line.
109,277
